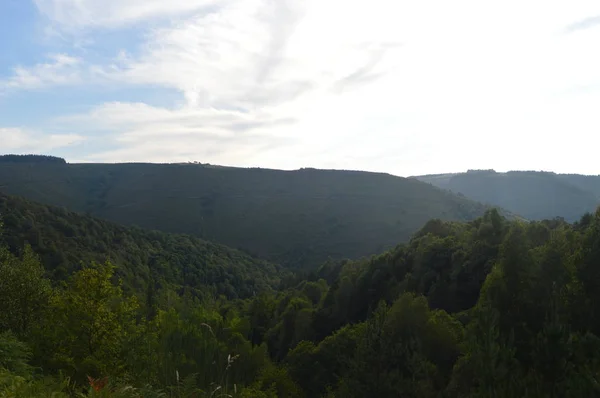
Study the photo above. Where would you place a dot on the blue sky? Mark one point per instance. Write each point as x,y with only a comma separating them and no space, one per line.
402,87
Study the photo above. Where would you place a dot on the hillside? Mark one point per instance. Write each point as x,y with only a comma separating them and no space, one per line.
533,195
297,218
585,182
488,308
66,240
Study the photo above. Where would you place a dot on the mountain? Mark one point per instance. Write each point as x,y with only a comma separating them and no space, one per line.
491,307
65,240
297,218
585,182
531,194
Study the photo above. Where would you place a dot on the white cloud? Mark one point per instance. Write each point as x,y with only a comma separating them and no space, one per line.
255,53
146,133
586,23
17,140
405,87
114,13
61,70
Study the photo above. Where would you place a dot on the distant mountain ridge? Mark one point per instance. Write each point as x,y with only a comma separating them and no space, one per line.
534,195
296,218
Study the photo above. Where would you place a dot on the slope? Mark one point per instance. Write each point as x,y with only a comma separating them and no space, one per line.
298,218
533,195
64,240
587,183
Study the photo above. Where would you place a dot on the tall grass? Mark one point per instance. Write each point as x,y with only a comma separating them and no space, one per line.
15,386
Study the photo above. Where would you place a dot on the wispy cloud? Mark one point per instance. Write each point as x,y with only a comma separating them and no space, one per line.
583,24
60,70
18,140
248,72
228,58
252,53
367,72
140,131
78,14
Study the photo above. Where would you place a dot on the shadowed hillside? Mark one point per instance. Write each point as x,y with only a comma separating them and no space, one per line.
587,183
533,195
298,218
65,240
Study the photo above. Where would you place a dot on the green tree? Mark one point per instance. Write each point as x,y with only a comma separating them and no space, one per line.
406,350
14,355
488,367
317,368
24,292
91,323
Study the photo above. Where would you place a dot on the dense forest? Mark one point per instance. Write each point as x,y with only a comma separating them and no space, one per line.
144,259
486,308
534,195
294,218
39,159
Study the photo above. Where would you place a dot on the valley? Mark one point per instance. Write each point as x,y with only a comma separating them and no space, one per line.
117,280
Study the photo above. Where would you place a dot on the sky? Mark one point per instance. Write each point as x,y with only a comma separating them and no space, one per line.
403,87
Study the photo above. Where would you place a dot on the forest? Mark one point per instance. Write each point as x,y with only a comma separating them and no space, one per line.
491,307
64,240
535,195
294,218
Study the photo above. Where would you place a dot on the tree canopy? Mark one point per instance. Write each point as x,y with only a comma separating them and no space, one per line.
487,308
144,259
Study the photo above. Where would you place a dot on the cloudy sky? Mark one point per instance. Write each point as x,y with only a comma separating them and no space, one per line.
405,87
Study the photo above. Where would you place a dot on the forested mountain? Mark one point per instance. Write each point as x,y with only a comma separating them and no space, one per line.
297,218
65,240
492,307
531,194
585,182
489,308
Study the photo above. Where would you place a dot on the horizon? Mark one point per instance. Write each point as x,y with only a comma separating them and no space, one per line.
418,89
198,163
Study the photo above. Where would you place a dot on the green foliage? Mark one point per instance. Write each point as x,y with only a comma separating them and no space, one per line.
447,262
14,355
24,292
523,292
144,259
15,386
275,381
318,367
489,308
89,325
406,350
